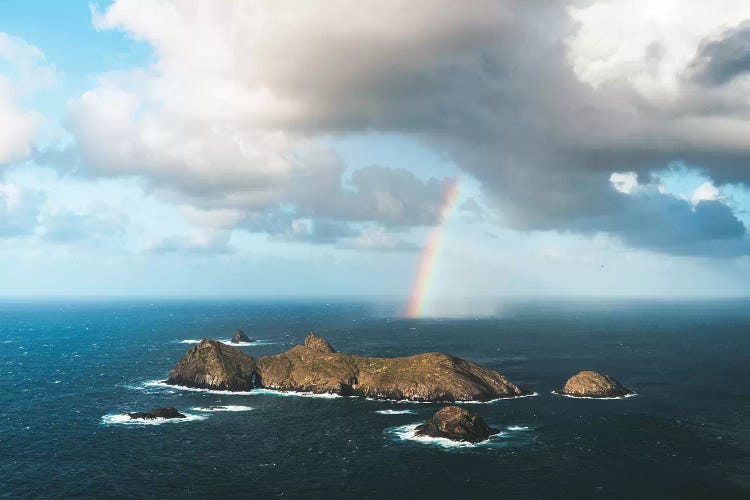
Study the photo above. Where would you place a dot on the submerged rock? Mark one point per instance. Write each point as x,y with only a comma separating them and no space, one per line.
167,412
317,367
457,424
213,365
239,336
594,385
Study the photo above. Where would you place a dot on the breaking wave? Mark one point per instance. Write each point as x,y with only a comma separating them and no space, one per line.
124,419
626,396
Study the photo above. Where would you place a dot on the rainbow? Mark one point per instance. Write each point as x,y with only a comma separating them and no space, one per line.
430,253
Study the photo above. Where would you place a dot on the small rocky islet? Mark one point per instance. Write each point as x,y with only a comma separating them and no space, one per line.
165,413
588,384
457,424
315,366
240,336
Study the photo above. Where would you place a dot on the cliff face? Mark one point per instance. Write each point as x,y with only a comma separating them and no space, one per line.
594,385
457,424
316,367
213,365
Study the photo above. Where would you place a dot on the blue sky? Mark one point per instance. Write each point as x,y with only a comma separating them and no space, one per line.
261,149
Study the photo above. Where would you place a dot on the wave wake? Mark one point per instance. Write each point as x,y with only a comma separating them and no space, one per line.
626,396
222,408
124,419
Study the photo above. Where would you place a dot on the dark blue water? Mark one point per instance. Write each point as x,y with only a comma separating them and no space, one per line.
64,366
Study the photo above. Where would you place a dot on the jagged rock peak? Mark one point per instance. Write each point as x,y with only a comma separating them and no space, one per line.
318,343
239,336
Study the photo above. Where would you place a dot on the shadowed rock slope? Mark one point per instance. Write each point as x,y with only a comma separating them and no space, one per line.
213,365
316,367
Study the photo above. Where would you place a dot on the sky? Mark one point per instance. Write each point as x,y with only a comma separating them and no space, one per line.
304,149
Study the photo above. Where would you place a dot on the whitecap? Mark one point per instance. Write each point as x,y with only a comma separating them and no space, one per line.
518,428
124,419
163,384
222,408
394,412
302,394
632,395
458,402
409,433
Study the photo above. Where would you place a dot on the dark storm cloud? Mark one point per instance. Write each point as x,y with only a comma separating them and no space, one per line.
721,60
651,220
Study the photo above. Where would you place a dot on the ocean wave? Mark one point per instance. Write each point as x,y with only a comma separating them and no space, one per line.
409,433
162,384
394,412
301,394
626,396
458,402
124,419
229,342
222,408
518,428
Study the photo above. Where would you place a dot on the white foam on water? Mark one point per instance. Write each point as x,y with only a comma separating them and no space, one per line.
229,342
124,419
163,384
394,412
301,394
626,396
518,428
222,408
409,433
489,401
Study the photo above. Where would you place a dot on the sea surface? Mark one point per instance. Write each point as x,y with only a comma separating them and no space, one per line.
70,370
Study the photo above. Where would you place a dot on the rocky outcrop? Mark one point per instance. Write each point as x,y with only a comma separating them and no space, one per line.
239,336
213,365
314,342
316,367
457,424
594,385
167,412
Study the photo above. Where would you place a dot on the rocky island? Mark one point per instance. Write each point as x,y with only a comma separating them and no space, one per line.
457,424
239,336
167,413
317,367
588,384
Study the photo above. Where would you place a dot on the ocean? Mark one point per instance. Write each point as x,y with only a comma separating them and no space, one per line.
69,370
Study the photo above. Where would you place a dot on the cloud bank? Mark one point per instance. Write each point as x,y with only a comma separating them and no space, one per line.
542,102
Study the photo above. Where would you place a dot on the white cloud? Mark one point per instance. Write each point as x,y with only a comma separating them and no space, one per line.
25,72
624,182
19,210
704,192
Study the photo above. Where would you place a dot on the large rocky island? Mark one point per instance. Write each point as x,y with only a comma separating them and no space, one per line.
317,367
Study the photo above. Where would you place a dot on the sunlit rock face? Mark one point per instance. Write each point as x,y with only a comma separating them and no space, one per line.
317,367
594,385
